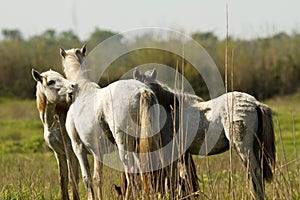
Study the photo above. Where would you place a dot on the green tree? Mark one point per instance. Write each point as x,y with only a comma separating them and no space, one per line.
100,35
12,34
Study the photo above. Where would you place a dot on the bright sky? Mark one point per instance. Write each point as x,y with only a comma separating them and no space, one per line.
247,19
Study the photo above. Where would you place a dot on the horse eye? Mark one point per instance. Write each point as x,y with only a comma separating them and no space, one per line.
51,82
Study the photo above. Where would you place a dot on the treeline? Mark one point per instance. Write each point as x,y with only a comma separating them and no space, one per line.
263,67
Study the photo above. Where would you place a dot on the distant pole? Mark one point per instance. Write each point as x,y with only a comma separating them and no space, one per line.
230,116
74,16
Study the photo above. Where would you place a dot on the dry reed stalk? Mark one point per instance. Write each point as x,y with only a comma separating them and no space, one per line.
284,158
231,184
281,168
174,127
294,136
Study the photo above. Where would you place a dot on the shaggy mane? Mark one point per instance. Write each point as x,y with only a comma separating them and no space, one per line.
40,99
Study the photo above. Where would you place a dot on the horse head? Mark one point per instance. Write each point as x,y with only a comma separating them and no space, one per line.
73,62
52,87
148,77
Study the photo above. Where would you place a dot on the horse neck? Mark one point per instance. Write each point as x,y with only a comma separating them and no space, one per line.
54,114
170,94
74,71
184,97
164,95
76,75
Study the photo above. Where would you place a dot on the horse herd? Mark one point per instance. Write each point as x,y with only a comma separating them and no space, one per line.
154,129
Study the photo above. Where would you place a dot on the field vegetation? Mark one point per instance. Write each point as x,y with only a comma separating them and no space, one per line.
263,67
28,168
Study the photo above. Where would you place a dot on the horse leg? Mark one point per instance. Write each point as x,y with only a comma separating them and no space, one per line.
74,174
120,190
78,149
188,182
98,166
63,175
244,139
85,169
126,146
123,183
129,189
255,171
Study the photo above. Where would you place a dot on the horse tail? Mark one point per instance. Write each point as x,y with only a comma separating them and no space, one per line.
149,140
266,140
148,121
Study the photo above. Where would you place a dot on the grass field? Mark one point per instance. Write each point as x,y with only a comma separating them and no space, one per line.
28,168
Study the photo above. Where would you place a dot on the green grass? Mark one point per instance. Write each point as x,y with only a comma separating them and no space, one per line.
16,109
20,127
28,176
28,169
286,116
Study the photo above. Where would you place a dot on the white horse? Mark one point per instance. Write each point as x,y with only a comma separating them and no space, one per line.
235,116
52,95
121,111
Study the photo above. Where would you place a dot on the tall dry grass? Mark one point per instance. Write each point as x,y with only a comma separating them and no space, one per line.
33,175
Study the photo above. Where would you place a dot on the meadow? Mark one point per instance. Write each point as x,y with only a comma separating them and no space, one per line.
28,169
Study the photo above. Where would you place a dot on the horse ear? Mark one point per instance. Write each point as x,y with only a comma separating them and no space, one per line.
83,50
136,74
36,75
62,52
153,74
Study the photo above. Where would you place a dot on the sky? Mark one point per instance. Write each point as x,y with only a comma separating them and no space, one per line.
246,19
